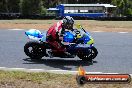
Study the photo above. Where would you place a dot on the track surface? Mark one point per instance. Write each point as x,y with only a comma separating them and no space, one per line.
115,55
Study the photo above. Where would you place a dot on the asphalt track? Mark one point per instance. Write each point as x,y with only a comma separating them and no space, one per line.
115,55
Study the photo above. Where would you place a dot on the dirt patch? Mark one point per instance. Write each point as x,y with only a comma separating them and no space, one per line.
107,26
24,26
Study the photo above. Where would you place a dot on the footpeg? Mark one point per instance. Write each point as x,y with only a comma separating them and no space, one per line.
49,53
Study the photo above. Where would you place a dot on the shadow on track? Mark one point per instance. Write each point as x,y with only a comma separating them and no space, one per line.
60,63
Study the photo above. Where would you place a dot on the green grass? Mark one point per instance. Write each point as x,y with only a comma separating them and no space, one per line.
19,79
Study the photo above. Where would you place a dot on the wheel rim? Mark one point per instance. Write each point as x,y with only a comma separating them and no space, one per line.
35,50
92,53
87,56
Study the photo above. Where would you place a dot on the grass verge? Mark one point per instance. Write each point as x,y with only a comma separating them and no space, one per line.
19,79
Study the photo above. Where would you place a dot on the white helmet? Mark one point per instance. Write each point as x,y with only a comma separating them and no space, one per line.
68,22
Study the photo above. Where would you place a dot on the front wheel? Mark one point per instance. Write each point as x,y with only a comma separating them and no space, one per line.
93,52
89,54
34,50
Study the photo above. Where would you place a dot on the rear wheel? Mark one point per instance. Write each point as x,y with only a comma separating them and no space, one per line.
34,50
80,80
88,55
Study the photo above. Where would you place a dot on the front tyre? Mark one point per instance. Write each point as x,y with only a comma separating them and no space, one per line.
88,54
34,50
93,52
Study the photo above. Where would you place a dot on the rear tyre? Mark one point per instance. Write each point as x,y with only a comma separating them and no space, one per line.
34,50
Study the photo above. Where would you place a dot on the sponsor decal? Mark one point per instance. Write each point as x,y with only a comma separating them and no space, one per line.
83,78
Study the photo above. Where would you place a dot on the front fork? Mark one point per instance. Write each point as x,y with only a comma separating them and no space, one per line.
91,45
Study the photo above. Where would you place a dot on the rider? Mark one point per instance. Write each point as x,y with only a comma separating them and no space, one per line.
55,33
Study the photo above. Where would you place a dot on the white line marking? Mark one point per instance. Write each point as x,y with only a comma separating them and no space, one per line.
122,32
16,29
36,70
97,31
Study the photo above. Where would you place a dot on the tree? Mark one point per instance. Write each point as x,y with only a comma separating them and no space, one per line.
124,7
13,6
2,6
9,6
31,7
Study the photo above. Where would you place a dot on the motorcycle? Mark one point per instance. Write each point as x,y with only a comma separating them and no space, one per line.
78,42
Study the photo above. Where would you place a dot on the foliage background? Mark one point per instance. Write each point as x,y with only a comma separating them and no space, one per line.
38,7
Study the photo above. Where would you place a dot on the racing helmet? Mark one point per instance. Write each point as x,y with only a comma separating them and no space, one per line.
68,22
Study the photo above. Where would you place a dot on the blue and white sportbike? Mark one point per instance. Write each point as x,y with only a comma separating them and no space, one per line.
78,42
